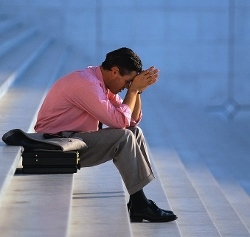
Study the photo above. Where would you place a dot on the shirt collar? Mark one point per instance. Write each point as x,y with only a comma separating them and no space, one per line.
98,74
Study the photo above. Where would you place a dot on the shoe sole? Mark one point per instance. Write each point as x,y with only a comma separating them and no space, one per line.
139,219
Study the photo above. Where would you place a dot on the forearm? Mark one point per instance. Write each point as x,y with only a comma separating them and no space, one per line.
130,99
139,84
133,100
137,109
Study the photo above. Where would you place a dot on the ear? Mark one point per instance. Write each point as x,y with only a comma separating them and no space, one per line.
115,70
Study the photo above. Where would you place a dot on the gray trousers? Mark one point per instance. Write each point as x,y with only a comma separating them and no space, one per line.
126,147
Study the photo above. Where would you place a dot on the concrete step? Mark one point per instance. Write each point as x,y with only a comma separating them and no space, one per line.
205,151
15,36
194,219
9,160
19,105
99,205
221,161
219,207
155,192
236,196
25,93
37,205
17,61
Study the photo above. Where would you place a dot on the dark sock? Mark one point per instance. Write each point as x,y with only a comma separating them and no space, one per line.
138,200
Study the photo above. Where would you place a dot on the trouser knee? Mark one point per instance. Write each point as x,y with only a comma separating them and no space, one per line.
137,131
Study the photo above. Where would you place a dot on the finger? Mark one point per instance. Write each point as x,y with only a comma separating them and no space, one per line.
149,70
152,71
153,81
146,72
153,75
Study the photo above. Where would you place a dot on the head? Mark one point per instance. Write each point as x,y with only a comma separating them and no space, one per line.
125,59
119,69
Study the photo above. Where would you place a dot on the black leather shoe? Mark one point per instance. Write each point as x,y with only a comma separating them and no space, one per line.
151,213
129,206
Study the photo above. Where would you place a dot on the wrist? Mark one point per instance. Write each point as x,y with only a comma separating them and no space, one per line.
134,91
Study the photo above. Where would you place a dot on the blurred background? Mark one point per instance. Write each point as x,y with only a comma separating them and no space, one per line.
201,47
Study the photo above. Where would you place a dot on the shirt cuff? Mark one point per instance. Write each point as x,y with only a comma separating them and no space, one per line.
134,123
126,111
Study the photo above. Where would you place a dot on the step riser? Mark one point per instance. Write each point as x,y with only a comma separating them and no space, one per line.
15,75
10,44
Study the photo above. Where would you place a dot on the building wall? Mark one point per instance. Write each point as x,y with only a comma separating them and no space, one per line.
201,47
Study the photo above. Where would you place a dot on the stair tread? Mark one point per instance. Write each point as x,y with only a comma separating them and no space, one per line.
9,160
155,192
13,60
193,217
217,162
207,150
33,84
37,205
99,203
20,104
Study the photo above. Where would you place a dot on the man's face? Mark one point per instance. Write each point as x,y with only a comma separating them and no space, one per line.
119,83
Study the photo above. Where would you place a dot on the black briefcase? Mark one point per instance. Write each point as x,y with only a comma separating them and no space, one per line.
50,162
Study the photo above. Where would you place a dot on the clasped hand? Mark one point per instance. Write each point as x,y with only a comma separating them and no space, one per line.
145,79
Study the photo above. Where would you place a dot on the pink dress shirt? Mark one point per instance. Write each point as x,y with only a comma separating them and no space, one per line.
78,101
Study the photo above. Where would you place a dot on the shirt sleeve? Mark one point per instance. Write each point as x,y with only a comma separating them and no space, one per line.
93,98
117,101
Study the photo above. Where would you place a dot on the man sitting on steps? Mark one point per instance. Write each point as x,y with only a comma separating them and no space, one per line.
80,100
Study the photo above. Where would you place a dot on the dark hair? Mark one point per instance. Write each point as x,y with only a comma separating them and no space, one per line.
125,59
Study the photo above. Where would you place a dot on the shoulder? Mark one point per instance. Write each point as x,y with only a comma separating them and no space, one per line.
91,74
86,80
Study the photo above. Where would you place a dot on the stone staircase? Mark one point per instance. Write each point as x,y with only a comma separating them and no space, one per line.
201,162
